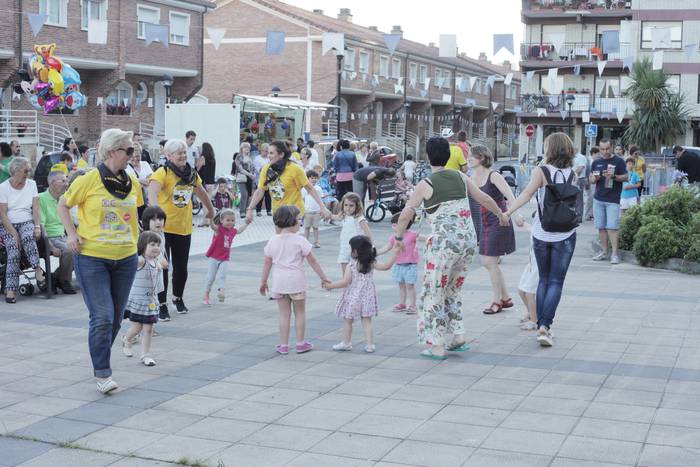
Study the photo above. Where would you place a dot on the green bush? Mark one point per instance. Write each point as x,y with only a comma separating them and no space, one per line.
657,240
677,205
629,225
693,252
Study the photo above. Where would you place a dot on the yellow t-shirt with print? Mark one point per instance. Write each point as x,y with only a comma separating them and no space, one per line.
108,225
457,159
175,197
286,190
82,164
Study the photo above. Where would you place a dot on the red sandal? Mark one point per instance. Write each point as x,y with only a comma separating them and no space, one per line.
507,303
490,310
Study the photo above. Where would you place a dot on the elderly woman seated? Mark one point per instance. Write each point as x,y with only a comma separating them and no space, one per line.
21,228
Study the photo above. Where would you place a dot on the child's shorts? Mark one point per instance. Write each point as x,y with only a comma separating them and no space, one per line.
404,273
291,296
312,219
530,278
626,203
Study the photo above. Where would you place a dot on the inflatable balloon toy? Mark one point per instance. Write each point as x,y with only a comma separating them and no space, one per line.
55,85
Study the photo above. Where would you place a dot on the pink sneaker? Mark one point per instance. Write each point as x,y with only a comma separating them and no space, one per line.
400,307
304,347
206,300
282,349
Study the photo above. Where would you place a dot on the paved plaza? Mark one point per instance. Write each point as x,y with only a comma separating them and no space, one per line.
621,386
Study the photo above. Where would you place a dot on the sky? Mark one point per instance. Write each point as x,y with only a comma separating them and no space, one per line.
473,21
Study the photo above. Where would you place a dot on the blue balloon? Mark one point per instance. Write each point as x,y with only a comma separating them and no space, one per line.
74,100
34,100
70,76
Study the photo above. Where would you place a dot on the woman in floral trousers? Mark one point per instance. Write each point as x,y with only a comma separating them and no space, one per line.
449,249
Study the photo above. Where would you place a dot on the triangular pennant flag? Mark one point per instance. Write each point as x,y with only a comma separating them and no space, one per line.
448,45
552,74
400,80
447,98
125,101
658,60
611,42
426,85
458,82
541,112
501,41
156,32
16,96
101,99
490,81
689,49
412,82
494,105
508,79
275,43
585,117
423,93
627,62
333,41
556,39
352,116
472,82
660,38
398,89
620,115
353,75
36,22
577,70
601,67
529,75
149,102
216,35
563,114
323,113
391,41
97,31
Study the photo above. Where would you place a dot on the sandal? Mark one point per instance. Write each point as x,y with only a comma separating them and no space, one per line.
490,310
428,353
454,347
507,303
411,310
399,308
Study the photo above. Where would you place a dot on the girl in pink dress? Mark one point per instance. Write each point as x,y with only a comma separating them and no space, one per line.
284,263
359,299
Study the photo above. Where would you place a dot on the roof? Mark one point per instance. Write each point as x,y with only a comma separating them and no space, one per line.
364,34
203,3
267,104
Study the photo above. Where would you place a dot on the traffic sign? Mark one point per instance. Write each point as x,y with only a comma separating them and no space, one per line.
530,130
591,130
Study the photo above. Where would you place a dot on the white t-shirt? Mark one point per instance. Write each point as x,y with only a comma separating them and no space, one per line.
19,202
145,171
580,161
409,167
313,158
310,204
192,155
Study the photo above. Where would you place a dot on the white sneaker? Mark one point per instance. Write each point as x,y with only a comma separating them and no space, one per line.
528,326
544,337
370,348
342,346
615,260
106,386
148,361
602,256
126,347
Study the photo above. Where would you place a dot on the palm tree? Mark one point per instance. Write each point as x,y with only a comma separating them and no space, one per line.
660,115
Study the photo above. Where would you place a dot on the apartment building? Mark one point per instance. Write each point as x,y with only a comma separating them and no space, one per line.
568,35
412,90
133,80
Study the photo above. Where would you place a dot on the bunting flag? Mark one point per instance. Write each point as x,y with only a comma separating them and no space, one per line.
400,80
472,82
658,60
156,32
333,41
689,49
585,117
490,81
620,116
611,42
601,67
426,85
577,69
529,75
412,83
149,102
508,79
556,39
627,62
503,41
16,97
100,100
352,116
458,82
125,101
398,89
423,93
660,38
541,112
97,31
216,35
275,43
448,45
447,98
36,22
353,75
391,41
494,105
563,114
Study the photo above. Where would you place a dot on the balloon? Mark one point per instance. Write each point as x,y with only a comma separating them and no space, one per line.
70,76
40,71
284,125
34,100
254,127
38,86
55,63
56,82
18,89
75,100
51,105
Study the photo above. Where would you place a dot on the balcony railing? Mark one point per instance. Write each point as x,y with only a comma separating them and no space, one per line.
583,102
577,4
572,51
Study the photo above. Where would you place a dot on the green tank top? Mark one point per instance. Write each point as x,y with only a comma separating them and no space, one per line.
447,185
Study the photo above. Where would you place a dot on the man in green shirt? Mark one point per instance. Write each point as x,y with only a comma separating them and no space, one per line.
48,203
5,160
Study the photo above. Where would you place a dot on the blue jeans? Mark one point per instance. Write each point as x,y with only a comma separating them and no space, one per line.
105,285
553,259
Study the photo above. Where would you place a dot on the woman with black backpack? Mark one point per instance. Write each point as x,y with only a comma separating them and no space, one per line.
554,226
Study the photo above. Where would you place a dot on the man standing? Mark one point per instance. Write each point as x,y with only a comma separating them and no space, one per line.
588,200
16,148
145,155
688,162
313,160
608,172
581,170
48,205
193,152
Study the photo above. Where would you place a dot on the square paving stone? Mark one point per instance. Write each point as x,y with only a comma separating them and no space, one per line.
674,417
345,402
451,433
355,445
159,421
11,421
46,406
503,386
382,425
254,411
196,405
674,436
207,372
552,405
547,423
310,458
635,383
104,414
15,451
232,391
488,399
376,389
284,396
257,378
530,442
173,448
57,430
603,450
139,398
471,415
280,436
678,401
310,417
72,457
221,429
565,391
173,384
429,454
9,398
123,441
408,409
624,413
572,377
665,456
490,458
246,455
567,462
609,429
629,397
320,384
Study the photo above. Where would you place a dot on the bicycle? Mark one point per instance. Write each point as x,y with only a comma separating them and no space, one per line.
376,212
196,205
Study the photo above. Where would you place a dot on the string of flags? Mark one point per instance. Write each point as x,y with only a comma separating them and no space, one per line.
365,116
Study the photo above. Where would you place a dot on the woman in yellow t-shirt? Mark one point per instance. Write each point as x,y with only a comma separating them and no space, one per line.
284,180
171,188
104,244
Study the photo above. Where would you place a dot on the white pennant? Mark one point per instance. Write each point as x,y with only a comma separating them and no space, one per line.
427,83
508,79
216,35
100,100
541,112
364,77
472,82
494,105
689,49
620,114
490,81
601,67
412,82
398,89
529,75
353,75
563,114
447,98
400,81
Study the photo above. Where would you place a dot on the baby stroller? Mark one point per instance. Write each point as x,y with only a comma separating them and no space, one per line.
510,175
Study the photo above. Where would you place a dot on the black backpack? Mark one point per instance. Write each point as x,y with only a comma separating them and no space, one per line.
562,206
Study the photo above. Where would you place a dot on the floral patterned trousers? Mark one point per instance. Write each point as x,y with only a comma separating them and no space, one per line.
447,257
25,230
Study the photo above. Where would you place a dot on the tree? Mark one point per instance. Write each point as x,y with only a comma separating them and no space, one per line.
660,114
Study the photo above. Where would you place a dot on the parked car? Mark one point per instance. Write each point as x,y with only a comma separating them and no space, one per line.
41,173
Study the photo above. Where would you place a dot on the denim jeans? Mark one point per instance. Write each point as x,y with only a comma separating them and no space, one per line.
553,259
105,285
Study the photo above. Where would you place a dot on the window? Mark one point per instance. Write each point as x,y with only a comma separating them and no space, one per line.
92,9
349,60
56,10
119,100
146,14
458,77
413,71
447,76
675,32
674,83
141,93
423,73
384,66
180,28
437,76
364,62
395,68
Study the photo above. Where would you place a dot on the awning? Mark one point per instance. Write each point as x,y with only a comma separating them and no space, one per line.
271,104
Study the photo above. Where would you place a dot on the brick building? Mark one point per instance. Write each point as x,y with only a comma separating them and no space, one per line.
124,72
382,95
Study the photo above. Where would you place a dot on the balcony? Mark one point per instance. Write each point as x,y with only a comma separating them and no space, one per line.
583,102
542,9
571,51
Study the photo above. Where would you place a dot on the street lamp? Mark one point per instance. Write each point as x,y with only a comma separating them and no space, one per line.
167,80
570,99
339,54
406,106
